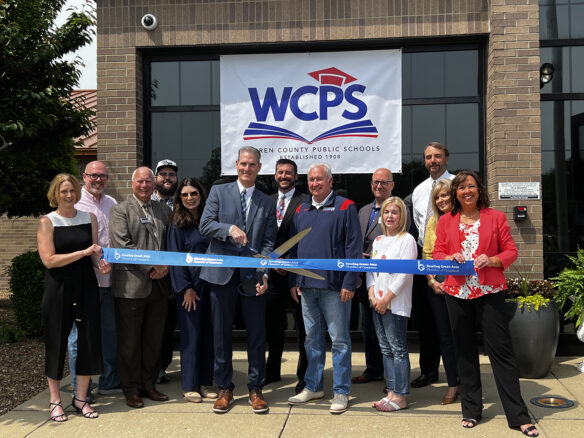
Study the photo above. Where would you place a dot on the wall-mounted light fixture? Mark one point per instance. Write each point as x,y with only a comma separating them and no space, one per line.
546,73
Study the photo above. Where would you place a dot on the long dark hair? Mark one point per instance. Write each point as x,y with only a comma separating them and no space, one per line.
482,202
182,216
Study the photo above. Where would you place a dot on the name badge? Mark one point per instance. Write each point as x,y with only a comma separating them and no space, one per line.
145,220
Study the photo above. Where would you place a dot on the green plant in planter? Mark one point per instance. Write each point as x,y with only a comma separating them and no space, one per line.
530,293
569,285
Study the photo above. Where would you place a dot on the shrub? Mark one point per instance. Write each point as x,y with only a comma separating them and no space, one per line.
26,274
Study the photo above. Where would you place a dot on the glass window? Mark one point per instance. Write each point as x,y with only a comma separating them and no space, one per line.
164,88
440,74
568,65
192,76
561,19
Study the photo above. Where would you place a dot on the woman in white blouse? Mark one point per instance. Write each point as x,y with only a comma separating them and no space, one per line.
391,297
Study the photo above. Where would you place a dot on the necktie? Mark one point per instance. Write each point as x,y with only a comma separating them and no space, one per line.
280,210
243,209
429,210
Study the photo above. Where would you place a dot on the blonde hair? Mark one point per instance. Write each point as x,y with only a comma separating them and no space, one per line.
53,192
443,184
403,216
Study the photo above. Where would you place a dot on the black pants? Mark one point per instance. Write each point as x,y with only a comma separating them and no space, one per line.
140,327
167,348
423,315
447,348
489,310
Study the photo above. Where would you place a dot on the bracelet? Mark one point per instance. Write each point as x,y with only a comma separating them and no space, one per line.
432,281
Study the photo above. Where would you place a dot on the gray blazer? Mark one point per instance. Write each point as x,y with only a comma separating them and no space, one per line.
127,230
222,210
370,234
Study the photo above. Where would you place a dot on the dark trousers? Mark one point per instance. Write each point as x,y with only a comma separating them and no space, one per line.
422,313
223,303
140,326
447,349
167,347
373,356
489,310
196,342
276,322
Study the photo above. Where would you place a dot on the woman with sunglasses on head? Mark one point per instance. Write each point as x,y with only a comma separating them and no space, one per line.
441,204
193,302
473,231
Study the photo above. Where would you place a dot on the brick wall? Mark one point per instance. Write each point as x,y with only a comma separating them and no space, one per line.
512,104
513,118
18,236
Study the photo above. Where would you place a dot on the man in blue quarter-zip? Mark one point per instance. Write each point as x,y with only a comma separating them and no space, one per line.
335,235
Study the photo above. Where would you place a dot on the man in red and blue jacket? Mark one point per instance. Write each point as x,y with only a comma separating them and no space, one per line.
335,234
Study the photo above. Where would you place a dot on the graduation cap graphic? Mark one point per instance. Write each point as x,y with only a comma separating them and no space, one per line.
332,76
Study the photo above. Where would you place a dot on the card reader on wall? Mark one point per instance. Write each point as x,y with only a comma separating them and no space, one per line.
520,213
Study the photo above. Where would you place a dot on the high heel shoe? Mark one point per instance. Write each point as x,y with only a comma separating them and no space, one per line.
88,414
58,418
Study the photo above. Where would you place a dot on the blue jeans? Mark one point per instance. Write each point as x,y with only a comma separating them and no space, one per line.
323,309
109,340
392,335
373,356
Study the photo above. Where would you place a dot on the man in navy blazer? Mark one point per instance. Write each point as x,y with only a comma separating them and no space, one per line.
239,220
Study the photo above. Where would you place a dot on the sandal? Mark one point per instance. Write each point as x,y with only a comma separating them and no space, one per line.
386,405
87,414
58,418
472,422
193,397
529,429
207,392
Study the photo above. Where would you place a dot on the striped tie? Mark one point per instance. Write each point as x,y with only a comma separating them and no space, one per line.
280,209
243,209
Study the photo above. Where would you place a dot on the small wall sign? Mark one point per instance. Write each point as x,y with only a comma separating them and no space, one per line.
518,190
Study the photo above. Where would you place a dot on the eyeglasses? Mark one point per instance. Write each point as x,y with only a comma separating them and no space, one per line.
96,176
469,187
167,174
380,183
190,194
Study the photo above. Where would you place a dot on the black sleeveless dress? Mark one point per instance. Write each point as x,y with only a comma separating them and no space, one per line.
71,295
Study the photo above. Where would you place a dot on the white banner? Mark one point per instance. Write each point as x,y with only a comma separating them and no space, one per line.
342,108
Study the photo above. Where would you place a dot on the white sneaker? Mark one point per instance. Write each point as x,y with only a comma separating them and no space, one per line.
339,404
305,396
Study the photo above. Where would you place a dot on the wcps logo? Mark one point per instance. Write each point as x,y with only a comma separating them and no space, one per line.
311,102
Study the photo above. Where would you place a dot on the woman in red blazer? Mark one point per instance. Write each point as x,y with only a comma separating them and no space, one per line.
473,231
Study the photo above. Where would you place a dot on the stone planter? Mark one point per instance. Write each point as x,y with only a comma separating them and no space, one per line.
534,335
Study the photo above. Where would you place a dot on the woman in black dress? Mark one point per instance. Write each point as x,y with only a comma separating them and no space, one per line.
68,249
193,301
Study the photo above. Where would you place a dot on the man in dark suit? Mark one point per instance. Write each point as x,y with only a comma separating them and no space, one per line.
287,199
239,220
141,291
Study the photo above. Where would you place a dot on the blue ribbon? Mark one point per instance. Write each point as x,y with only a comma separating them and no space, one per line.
167,258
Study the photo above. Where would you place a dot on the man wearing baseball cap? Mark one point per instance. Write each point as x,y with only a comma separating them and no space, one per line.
166,180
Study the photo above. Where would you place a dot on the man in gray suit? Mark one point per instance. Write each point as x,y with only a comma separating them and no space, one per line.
141,291
382,185
239,220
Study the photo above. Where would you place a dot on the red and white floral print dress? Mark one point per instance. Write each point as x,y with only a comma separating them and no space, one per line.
469,243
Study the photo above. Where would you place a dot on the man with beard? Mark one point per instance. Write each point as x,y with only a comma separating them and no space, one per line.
287,199
166,182
94,200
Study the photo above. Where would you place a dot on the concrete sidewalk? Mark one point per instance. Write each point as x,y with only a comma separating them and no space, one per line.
425,416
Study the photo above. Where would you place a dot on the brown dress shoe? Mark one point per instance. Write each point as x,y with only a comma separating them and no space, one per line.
154,395
446,400
257,401
363,378
134,401
223,402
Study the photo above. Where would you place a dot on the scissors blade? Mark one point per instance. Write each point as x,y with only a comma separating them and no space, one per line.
283,248
299,271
